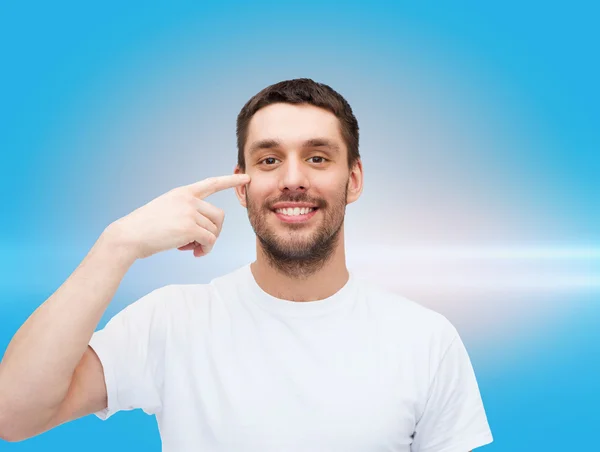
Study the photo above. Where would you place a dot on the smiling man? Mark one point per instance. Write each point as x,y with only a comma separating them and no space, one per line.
303,177
289,353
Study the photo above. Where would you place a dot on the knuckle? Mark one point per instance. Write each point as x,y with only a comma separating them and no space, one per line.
211,239
188,197
191,212
181,196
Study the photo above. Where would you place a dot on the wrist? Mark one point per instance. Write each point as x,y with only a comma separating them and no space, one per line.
115,240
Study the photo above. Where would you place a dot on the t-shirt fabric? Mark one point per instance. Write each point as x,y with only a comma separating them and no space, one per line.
225,366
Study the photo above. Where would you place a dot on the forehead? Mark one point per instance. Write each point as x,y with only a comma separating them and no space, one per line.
293,123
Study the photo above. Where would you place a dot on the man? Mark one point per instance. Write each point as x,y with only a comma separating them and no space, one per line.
289,353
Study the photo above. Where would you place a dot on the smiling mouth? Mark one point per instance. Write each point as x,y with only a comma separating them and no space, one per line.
295,215
295,211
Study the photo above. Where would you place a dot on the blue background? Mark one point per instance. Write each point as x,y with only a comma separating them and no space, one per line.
479,134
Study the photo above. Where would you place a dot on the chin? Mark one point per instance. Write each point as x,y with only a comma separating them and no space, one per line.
298,241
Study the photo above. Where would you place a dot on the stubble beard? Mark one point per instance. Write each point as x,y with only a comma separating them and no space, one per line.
294,253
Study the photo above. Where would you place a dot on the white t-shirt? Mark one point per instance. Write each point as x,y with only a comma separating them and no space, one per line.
227,367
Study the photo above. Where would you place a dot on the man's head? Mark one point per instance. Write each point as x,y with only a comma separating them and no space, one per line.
298,140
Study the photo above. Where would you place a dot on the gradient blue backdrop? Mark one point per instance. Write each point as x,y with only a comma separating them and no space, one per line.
480,140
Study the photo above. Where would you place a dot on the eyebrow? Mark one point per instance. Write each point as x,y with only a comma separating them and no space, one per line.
311,143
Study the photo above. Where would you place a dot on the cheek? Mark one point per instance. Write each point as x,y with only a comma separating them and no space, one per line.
333,187
261,185
260,188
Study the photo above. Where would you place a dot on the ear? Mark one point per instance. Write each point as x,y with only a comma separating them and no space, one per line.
240,191
355,182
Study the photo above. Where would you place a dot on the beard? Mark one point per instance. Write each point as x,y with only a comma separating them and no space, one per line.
296,252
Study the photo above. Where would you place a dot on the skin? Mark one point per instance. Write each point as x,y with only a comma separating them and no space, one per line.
299,261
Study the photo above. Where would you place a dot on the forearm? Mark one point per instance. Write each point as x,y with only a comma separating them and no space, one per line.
38,365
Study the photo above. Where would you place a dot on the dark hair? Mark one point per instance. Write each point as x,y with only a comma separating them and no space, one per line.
301,91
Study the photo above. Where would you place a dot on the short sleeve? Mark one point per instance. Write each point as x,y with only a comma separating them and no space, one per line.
454,418
131,350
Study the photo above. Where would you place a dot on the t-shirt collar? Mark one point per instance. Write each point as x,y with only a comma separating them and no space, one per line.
297,308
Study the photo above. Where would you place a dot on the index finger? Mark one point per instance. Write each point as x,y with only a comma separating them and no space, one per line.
212,185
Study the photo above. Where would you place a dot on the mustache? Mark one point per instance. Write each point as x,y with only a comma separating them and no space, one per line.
297,197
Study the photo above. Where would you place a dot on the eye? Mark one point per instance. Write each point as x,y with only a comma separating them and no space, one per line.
318,159
269,161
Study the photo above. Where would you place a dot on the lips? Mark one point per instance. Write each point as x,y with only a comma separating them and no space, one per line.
295,214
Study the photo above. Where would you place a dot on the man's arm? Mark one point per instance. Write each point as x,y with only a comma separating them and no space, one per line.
48,369
49,374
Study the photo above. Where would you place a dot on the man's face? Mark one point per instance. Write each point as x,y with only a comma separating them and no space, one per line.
297,196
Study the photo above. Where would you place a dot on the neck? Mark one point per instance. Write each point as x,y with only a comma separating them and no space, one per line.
318,285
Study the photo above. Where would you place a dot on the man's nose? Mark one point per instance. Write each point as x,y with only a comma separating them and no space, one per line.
293,177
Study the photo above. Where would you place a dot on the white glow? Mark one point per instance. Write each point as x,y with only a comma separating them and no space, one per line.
395,252
476,268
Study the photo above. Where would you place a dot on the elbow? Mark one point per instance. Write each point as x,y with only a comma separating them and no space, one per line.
12,435
11,439
9,436
14,429
17,426
4,432
8,433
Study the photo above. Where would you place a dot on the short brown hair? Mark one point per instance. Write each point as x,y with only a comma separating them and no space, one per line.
301,91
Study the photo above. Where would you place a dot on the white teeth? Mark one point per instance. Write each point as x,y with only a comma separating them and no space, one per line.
293,211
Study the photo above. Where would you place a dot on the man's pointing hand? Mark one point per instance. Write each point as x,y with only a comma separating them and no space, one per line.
180,218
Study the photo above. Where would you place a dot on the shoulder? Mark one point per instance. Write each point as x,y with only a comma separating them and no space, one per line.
177,296
156,300
406,316
196,301
399,306
149,311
